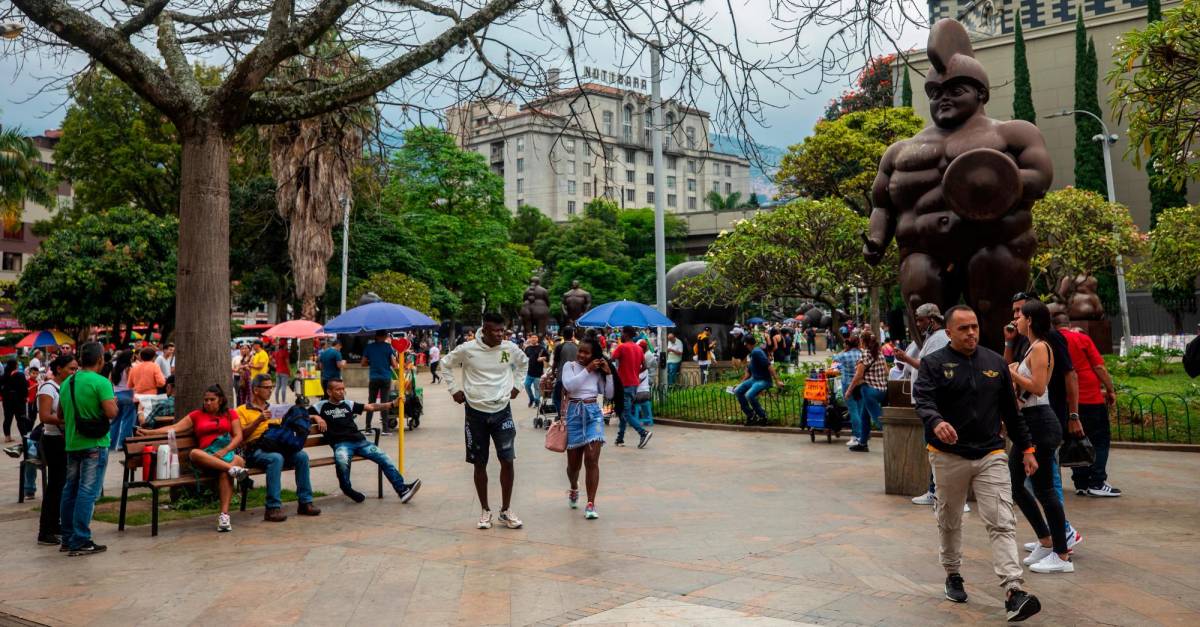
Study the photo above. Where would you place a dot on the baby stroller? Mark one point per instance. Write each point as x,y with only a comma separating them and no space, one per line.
545,411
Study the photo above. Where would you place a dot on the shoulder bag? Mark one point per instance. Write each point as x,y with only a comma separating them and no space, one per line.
87,426
556,436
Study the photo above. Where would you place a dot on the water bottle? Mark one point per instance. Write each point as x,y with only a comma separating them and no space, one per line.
162,468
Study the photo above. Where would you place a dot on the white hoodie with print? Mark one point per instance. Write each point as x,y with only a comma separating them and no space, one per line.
489,373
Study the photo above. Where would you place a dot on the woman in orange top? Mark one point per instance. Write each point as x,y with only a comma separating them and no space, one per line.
145,377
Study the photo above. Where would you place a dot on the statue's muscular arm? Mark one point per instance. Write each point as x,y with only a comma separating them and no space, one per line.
1025,142
882,226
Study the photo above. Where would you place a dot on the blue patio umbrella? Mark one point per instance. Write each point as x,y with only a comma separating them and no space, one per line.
756,320
623,313
379,317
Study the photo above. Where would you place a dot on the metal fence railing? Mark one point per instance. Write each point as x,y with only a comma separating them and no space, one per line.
1146,417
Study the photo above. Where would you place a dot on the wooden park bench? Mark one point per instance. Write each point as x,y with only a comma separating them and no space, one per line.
133,469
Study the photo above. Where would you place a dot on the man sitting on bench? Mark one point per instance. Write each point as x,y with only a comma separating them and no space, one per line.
255,417
335,418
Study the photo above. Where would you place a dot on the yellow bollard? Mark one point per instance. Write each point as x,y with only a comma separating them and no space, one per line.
402,383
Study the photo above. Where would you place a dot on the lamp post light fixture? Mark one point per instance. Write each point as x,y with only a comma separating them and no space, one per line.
1106,140
11,30
345,202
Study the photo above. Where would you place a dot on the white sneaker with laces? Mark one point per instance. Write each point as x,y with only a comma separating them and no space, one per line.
223,523
1053,564
1104,491
485,520
1032,546
1040,553
510,520
924,499
853,441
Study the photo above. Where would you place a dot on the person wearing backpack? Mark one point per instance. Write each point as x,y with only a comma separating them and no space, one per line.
335,418
255,417
87,405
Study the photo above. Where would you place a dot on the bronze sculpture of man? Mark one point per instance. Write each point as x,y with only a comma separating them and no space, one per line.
535,310
957,197
575,302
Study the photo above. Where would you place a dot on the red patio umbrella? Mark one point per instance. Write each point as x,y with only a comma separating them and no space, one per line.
296,330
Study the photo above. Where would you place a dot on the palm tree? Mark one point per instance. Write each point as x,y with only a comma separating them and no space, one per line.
312,161
725,203
22,176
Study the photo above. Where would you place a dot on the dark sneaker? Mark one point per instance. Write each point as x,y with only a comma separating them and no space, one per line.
50,540
62,548
1021,605
860,448
411,491
308,509
274,514
355,495
14,451
645,439
619,443
1102,490
954,588
88,549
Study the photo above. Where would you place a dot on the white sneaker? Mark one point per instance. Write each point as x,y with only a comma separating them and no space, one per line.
924,499
223,523
485,520
853,441
966,508
510,520
1104,490
1040,553
238,473
1032,546
1053,564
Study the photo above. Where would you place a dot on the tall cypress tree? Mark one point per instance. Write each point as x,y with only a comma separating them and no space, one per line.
1022,90
906,89
1153,11
1089,161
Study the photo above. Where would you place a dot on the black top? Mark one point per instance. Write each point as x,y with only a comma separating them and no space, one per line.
15,388
973,393
535,353
339,420
1058,376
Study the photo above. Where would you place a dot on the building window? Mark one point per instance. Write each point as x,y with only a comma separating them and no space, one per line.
11,262
15,232
608,174
692,166
649,178
587,169
571,167
629,176
716,169
610,193
692,203
569,145
571,187
630,156
608,122
608,153
520,186
480,121
587,189
520,201
629,195
671,163
716,187
670,200
650,159
691,185
728,188
521,165
728,171
650,197
570,207
627,124
671,182
691,136
521,144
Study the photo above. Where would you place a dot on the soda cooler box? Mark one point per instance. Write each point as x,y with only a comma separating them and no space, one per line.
815,416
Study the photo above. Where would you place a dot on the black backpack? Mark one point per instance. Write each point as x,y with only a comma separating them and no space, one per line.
87,426
287,437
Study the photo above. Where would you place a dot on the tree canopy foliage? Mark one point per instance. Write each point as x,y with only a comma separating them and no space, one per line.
1079,232
1174,250
21,176
396,287
874,89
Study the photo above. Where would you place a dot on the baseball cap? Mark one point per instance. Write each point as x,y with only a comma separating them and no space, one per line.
929,310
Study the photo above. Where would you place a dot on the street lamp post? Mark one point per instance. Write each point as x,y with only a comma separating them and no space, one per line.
345,202
1106,140
660,246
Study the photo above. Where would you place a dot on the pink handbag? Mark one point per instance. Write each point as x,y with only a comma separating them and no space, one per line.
556,436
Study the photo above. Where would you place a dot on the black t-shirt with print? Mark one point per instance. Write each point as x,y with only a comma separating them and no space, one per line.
339,420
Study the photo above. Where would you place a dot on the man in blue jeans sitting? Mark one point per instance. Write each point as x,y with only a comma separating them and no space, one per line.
335,418
759,376
255,417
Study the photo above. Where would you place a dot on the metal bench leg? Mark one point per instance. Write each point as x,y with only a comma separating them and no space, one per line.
243,488
154,512
21,482
124,502
380,478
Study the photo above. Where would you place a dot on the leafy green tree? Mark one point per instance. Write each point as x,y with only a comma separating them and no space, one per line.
1153,11
840,158
454,207
1022,89
637,231
111,267
606,282
717,202
752,203
603,209
21,176
1173,259
906,90
1080,232
1089,158
396,287
529,226
581,238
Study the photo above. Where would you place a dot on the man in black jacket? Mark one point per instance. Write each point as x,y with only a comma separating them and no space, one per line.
962,394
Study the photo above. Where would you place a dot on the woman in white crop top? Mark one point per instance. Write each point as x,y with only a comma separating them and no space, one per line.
587,381
1031,377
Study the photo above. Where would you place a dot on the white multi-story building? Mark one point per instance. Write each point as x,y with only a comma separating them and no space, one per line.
591,141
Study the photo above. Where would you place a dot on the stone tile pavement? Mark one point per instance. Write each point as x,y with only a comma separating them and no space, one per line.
701,528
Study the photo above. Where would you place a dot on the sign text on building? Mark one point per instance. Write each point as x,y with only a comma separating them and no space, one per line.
614,78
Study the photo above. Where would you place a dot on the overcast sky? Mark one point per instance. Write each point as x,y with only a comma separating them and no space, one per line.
789,120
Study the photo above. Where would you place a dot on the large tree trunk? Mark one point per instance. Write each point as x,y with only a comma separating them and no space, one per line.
202,284
876,294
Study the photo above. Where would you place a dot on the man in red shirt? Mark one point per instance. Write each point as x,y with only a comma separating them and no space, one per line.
631,362
283,370
1096,393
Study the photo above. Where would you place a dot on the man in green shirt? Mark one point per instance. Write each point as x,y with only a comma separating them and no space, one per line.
91,396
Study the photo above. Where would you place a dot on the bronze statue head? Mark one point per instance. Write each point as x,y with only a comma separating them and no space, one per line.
957,84
574,285
535,280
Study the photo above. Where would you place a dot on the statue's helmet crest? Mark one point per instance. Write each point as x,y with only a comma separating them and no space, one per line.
952,57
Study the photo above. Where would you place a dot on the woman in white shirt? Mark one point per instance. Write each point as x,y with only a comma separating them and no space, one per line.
53,447
587,381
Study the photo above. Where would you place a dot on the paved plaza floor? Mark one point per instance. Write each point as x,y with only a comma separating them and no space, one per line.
701,528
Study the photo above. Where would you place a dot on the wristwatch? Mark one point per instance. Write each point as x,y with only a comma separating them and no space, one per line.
1073,416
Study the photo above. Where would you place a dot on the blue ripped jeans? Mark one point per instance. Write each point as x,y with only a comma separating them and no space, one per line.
343,452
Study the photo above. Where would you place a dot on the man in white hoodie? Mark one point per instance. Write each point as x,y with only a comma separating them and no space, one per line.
492,370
